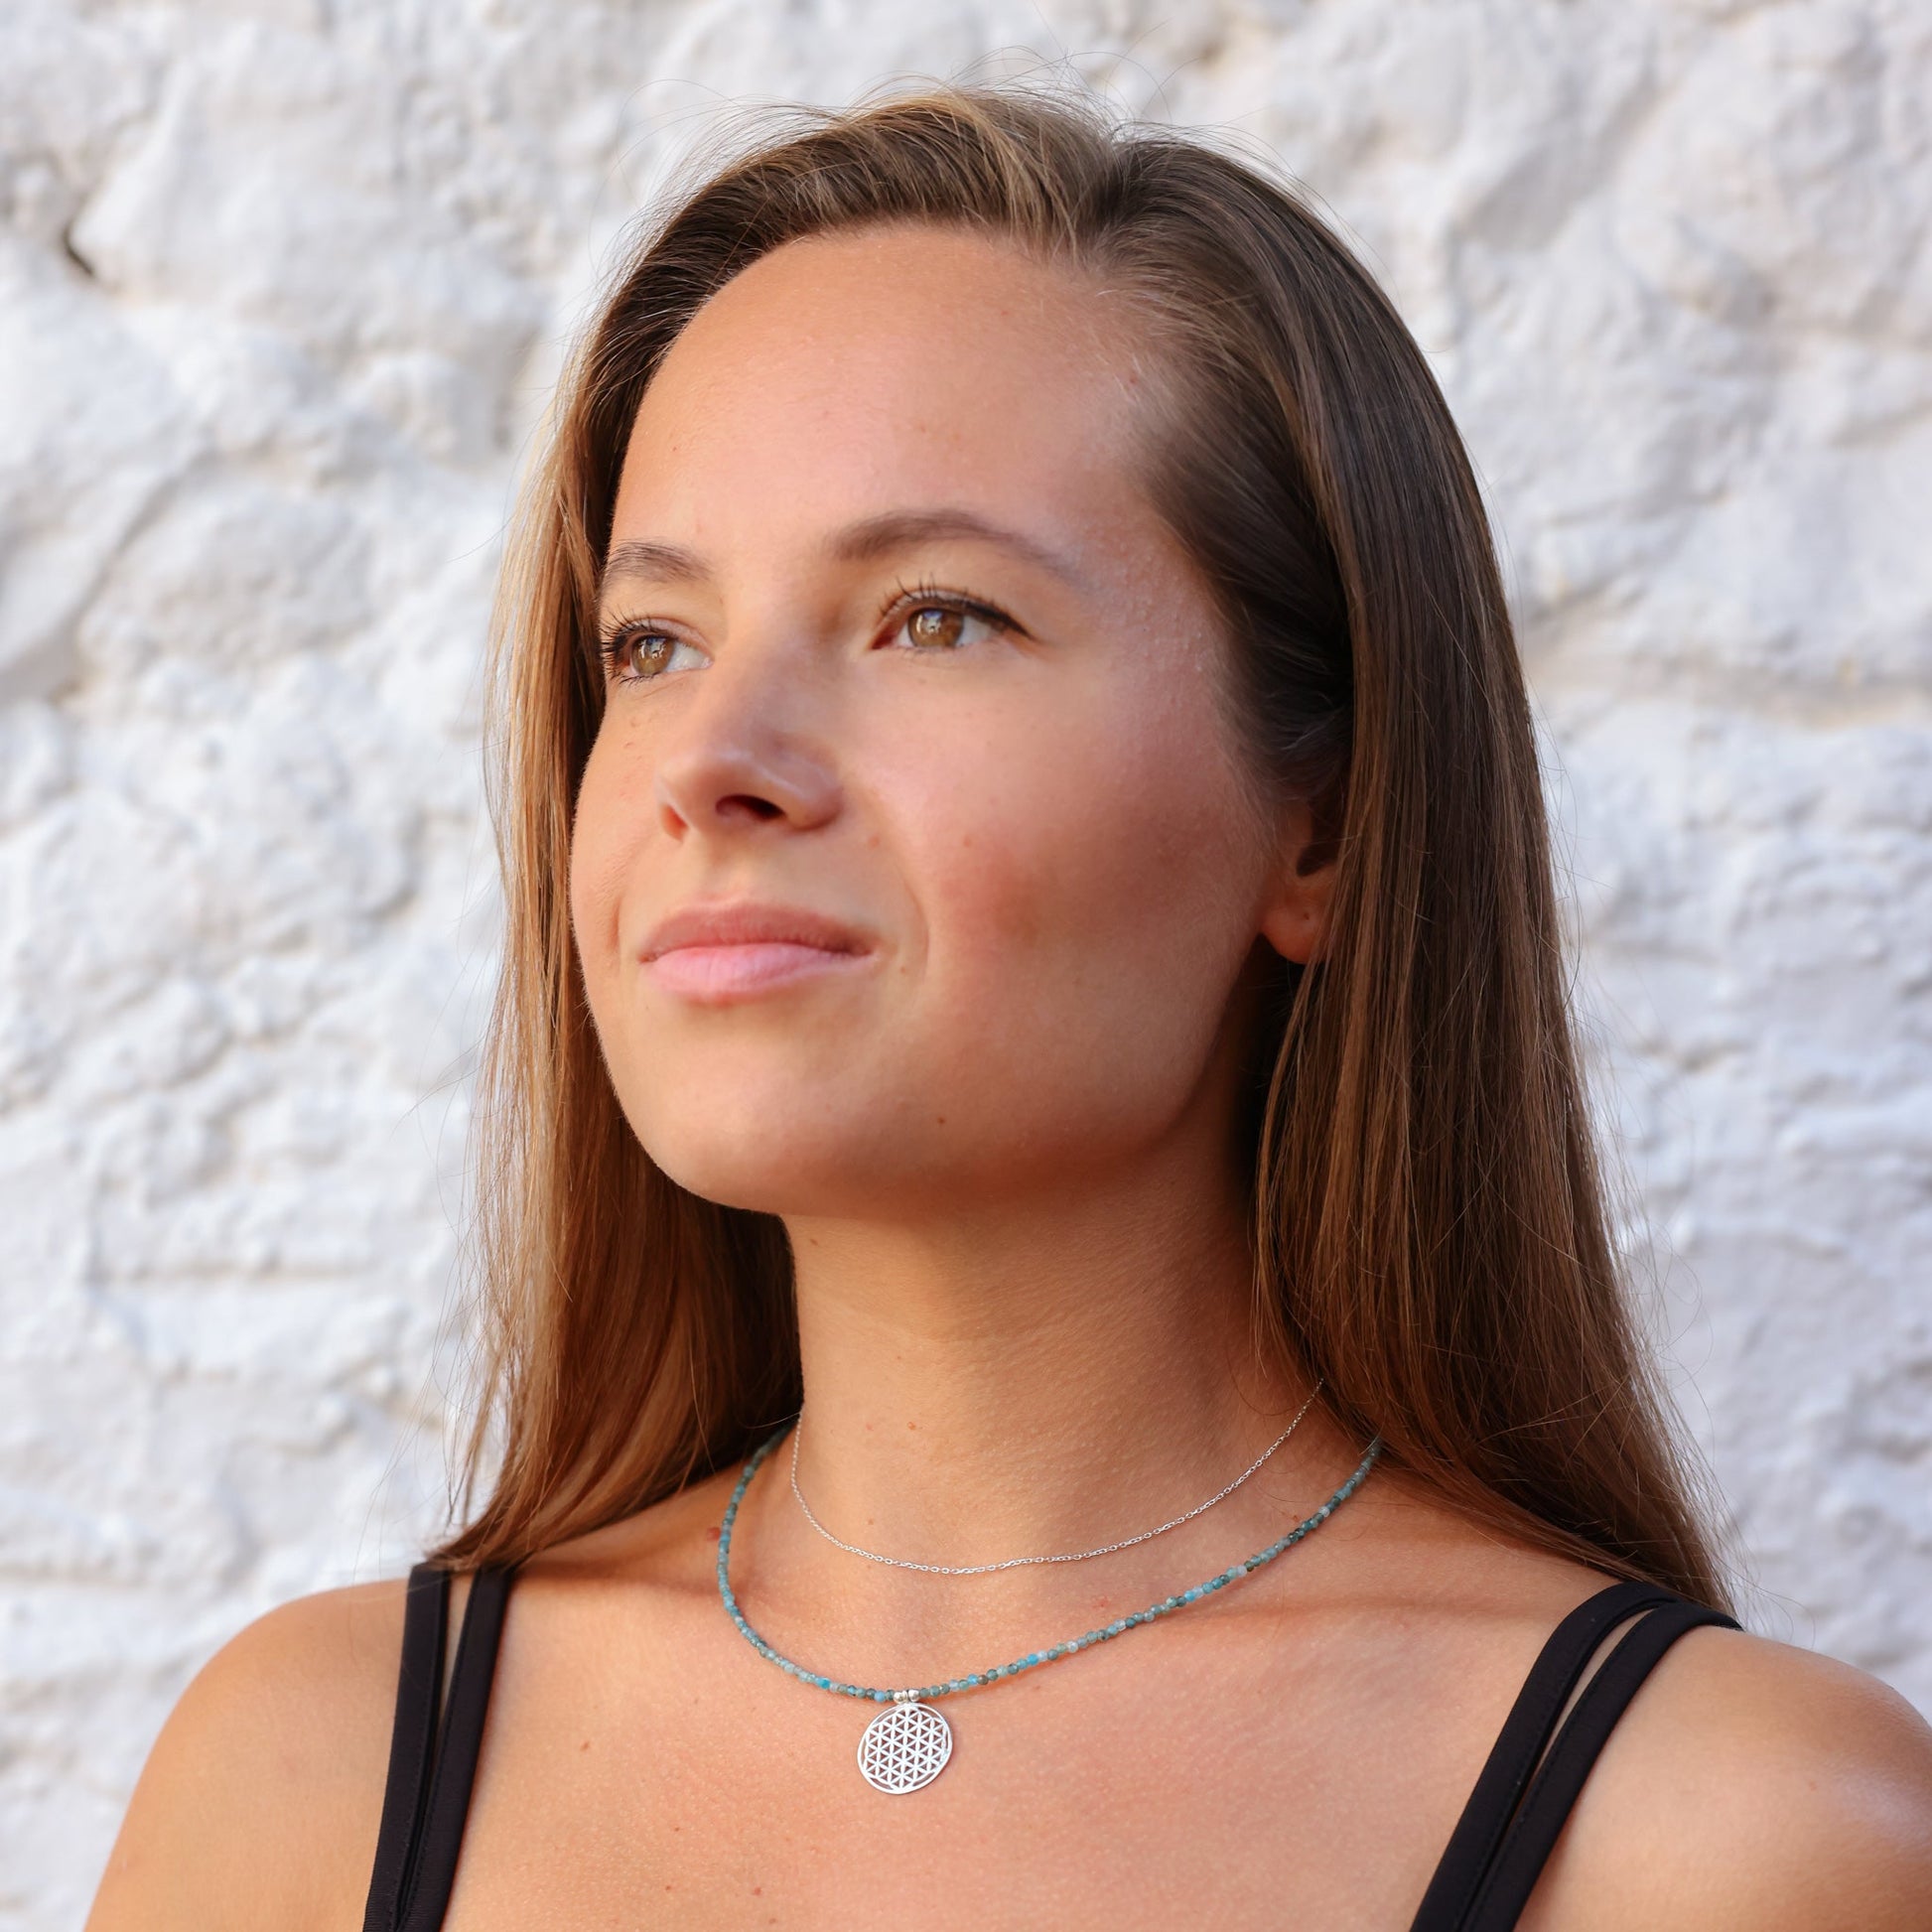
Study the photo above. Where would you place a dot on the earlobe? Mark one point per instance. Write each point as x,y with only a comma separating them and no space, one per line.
1296,919
1296,924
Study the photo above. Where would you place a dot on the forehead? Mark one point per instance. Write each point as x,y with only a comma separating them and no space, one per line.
845,374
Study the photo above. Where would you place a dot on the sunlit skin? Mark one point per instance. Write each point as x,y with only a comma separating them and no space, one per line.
999,1135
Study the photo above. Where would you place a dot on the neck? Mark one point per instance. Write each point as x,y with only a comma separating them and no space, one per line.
1035,1380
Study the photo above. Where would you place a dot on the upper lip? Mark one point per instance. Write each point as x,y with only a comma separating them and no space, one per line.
745,923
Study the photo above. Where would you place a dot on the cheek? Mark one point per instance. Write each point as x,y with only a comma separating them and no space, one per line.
1093,878
599,856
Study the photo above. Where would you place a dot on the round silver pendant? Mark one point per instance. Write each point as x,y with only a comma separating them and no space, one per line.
904,1747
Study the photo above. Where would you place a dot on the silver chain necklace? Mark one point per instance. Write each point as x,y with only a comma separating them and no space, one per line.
907,1745
1070,1556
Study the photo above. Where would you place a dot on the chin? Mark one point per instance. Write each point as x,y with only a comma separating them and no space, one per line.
776,1187
772,1164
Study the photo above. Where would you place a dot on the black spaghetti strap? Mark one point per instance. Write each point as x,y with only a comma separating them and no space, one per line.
1534,1832
412,1740
1519,1746
426,1892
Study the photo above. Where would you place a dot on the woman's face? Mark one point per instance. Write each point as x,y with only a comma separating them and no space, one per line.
901,657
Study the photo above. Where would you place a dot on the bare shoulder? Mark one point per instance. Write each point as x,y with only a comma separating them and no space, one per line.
1765,1786
1748,1784
260,1800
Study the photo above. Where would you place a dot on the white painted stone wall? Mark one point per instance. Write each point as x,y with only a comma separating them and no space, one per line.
281,282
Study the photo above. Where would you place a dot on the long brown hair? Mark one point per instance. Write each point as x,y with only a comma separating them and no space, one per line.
1429,1231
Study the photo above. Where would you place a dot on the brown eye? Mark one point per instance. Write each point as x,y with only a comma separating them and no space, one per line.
926,621
637,653
643,653
942,623
935,625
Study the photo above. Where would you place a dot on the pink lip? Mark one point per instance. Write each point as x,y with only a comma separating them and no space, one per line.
720,952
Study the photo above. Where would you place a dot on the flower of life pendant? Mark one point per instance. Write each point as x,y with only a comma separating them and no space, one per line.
904,1747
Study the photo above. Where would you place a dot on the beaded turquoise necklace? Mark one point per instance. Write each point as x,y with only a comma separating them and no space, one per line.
908,1746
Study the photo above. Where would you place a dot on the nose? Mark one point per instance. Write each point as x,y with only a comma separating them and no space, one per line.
744,752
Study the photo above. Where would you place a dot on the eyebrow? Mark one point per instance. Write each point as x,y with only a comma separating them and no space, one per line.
863,542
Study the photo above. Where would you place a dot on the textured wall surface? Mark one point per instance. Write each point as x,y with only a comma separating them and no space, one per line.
281,283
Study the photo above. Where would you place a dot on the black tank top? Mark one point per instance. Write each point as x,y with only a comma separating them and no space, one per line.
1485,1877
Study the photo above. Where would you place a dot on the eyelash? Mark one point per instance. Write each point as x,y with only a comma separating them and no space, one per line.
906,599
614,640
927,596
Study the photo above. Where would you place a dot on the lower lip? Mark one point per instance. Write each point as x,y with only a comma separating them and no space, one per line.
719,973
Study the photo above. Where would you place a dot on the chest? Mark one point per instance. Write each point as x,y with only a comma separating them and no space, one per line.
1217,1777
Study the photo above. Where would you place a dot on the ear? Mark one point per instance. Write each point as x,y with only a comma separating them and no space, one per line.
1301,888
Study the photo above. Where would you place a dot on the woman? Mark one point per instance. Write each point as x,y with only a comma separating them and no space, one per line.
1031,940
